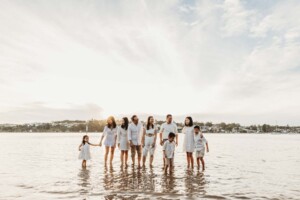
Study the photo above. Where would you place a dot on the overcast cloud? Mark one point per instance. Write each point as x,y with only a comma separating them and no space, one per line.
218,60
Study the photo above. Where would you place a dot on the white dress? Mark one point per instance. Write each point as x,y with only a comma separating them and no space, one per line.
189,141
123,139
149,140
85,152
110,135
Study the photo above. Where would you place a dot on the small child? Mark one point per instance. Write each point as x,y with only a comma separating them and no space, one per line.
169,149
200,143
84,149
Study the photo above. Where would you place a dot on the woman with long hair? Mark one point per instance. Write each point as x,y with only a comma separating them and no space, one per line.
110,134
149,140
123,142
189,141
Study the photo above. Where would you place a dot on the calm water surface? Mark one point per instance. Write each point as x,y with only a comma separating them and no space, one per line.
45,166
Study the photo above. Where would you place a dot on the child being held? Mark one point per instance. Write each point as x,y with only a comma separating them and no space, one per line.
84,149
169,149
200,143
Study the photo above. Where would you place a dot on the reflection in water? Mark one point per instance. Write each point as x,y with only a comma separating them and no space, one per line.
230,174
194,182
84,183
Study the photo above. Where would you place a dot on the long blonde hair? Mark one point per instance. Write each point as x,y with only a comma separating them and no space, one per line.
113,125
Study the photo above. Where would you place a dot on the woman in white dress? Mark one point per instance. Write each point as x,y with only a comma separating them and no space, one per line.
110,135
123,142
84,149
189,141
149,140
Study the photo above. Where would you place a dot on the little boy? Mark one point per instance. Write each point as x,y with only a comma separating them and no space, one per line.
200,143
169,149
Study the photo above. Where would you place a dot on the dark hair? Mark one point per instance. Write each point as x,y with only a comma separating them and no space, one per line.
171,135
83,142
114,124
169,115
125,125
191,121
148,123
198,127
133,116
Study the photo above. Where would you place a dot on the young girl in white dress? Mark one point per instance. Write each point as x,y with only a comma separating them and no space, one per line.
123,142
189,141
84,149
110,135
149,140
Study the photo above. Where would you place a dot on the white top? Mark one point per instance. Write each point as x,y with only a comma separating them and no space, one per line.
200,142
110,135
85,152
135,133
188,142
122,139
169,148
151,130
166,128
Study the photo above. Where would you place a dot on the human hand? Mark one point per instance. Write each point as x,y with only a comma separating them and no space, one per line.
161,143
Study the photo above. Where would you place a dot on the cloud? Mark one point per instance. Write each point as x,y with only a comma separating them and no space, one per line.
220,59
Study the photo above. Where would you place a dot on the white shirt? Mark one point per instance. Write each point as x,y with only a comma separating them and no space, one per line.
135,133
169,148
166,128
151,130
200,142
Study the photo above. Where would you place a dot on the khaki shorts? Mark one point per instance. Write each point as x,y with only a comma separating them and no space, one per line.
136,148
169,161
200,154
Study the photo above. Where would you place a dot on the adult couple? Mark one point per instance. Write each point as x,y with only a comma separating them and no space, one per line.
143,138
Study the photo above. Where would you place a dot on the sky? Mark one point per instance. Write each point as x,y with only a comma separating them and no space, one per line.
216,60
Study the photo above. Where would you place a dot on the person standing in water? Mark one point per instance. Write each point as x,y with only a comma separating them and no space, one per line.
166,128
189,142
149,140
110,134
123,142
200,144
135,130
84,149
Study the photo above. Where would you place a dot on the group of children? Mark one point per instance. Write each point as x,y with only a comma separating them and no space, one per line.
194,142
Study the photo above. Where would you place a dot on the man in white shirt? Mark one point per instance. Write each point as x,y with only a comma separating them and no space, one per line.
135,131
168,127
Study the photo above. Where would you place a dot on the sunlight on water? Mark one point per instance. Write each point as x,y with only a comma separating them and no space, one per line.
45,166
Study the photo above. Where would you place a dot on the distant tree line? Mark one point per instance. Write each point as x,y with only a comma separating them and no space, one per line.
98,126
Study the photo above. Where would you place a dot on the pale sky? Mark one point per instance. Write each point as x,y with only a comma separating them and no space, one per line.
216,60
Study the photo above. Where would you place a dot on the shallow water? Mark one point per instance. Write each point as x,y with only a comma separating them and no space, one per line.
45,166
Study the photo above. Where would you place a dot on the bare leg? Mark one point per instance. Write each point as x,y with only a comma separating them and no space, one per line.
139,156
84,163
188,159
122,158
203,163
112,151
151,160
192,160
126,157
106,155
198,163
133,155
